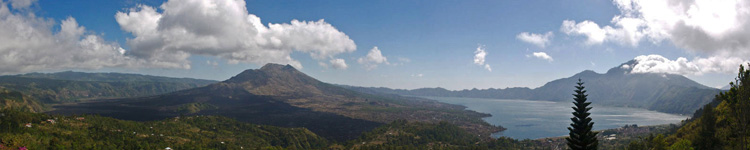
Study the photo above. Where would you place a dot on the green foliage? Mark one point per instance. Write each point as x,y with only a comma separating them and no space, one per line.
401,134
721,124
706,139
210,132
652,142
581,137
682,144
18,101
195,132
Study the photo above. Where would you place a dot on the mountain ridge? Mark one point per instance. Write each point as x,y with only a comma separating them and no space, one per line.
662,92
283,96
111,77
44,89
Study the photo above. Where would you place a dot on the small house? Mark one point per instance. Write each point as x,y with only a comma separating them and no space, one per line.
80,118
28,125
52,121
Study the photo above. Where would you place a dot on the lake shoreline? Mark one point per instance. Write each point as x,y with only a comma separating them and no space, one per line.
534,119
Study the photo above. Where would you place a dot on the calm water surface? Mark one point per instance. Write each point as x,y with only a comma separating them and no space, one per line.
538,119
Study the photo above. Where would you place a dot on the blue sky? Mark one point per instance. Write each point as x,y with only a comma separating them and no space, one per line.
424,43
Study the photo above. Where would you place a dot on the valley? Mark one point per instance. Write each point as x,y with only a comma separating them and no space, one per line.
281,96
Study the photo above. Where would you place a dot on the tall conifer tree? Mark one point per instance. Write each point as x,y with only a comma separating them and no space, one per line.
581,136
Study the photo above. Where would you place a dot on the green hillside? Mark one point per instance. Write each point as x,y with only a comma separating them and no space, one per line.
193,132
18,101
113,77
722,124
401,134
52,88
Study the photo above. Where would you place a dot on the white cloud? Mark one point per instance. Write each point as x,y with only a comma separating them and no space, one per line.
163,38
479,56
212,63
373,58
404,59
21,4
625,35
698,66
625,66
594,34
401,61
417,75
543,55
30,43
540,40
720,28
225,29
338,63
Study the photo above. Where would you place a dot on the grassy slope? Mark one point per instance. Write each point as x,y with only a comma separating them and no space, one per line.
16,100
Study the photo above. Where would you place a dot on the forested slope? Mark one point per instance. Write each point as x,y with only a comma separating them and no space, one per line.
75,86
722,124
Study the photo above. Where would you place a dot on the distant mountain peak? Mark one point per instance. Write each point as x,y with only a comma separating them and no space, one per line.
275,79
586,73
272,66
623,68
269,70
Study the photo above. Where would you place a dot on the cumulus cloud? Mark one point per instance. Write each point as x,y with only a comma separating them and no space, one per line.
698,66
162,38
338,63
479,56
21,4
30,43
542,55
711,27
373,59
225,29
594,34
540,40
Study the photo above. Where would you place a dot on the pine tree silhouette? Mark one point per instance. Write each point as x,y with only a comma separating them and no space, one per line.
581,136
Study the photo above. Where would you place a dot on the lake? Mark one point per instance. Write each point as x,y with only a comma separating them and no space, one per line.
527,119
